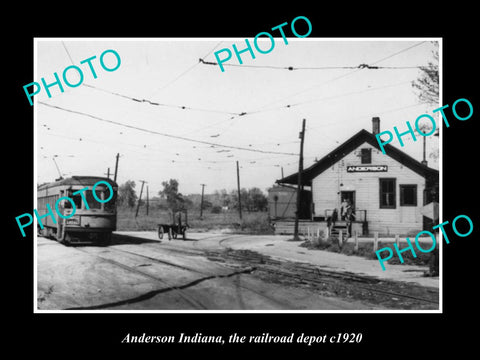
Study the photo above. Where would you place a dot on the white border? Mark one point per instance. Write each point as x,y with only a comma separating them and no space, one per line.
439,240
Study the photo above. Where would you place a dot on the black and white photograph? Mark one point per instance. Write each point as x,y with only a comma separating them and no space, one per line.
279,181
218,179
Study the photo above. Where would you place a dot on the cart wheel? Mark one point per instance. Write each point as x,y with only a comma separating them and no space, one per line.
170,234
160,232
184,234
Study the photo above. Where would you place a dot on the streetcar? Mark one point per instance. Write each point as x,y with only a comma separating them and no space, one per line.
91,223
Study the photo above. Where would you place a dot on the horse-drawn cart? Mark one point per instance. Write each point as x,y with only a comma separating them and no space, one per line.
174,229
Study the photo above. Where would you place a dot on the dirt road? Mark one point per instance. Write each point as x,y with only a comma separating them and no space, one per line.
206,272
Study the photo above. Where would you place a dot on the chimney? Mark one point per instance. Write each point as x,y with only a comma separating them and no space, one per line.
375,125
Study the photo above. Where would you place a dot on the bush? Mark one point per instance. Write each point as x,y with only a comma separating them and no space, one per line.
364,249
256,225
216,209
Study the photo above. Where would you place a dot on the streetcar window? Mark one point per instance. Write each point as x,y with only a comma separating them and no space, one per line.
110,205
77,200
91,201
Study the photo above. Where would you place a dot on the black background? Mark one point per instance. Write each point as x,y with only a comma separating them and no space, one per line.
51,335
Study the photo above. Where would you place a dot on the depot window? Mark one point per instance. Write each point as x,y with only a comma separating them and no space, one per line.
366,156
408,195
387,193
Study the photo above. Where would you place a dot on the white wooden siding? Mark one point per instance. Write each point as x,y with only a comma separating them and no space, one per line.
403,219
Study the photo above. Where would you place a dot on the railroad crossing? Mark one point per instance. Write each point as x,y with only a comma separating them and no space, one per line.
216,271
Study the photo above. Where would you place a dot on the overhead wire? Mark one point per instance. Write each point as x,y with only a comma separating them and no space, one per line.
293,68
186,71
164,134
399,52
234,114
150,102
168,156
328,97
356,69
68,53
155,103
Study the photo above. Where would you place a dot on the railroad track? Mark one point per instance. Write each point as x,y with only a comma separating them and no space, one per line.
157,260
207,276
311,274
345,284
179,289
169,286
307,274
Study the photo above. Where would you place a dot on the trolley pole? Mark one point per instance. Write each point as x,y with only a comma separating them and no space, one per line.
140,198
60,177
299,185
239,197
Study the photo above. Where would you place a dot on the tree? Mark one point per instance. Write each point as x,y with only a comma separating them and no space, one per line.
253,199
175,200
257,200
222,198
427,84
126,194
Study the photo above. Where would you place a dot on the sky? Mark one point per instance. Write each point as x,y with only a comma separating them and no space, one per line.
197,121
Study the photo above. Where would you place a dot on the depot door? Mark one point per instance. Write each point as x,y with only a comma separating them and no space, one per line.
348,195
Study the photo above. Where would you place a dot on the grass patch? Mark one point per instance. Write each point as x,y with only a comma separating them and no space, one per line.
366,250
252,223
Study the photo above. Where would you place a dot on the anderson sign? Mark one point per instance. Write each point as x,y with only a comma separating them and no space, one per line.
367,168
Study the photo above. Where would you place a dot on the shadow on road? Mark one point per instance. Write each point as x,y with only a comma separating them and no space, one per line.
185,239
118,239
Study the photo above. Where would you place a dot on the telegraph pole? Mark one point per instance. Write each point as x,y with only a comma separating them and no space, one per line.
116,168
147,200
140,198
299,185
239,198
201,202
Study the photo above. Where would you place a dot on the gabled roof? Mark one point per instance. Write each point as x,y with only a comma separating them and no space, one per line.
348,146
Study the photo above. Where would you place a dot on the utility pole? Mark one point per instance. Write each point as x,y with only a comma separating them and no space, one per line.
147,200
140,198
116,168
108,173
424,127
299,185
239,197
201,202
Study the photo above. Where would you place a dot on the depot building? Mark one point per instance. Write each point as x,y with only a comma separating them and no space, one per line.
390,193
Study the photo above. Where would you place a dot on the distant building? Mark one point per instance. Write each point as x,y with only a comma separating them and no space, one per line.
282,202
388,192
